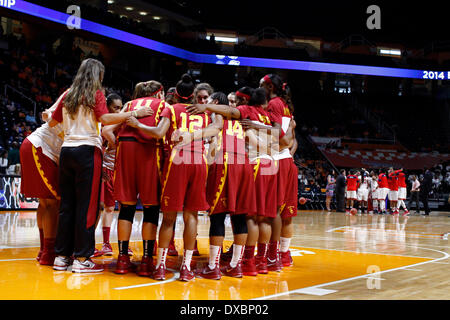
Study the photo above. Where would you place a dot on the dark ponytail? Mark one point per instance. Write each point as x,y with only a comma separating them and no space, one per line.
281,89
184,89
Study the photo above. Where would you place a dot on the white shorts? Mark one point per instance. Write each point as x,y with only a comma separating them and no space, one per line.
351,195
382,193
393,195
363,194
375,194
401,193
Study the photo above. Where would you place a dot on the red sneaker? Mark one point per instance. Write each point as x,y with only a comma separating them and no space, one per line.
286,259
47,258
405,213
235,272
146,267
185,274
196,253
39,255
86,267
249,267
107,249
261,265
97,253
123,265
160,273
275,264
130,252
155,248
226,257
207,273
172,249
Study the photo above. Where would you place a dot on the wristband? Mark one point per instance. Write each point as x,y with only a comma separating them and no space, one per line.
134,113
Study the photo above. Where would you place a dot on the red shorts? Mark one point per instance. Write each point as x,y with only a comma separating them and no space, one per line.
184,186
265,175
136,173
39,173
231,188
107,193
287,187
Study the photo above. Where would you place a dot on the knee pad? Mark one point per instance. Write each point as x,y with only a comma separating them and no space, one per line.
239,224
217,225
151,214
127,212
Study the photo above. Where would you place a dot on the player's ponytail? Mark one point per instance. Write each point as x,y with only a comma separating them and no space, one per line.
184,89
280,89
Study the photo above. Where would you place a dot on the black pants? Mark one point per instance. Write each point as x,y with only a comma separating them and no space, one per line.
79,182
414,197
424,193
340,199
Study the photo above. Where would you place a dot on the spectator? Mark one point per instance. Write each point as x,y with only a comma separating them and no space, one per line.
3,161
13,154
340,191
414,196
30,117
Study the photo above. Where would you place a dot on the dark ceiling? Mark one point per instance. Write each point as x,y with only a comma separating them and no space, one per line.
410,22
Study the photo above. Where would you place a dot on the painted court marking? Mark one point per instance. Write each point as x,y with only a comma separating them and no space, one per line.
176,275
308,289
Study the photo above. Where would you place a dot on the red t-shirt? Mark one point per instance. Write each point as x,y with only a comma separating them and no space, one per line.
382,181
99,108
280,110
152,121
352,182
401,179
185,122
393,181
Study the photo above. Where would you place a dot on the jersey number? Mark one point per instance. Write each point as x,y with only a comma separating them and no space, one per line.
236,129
195,122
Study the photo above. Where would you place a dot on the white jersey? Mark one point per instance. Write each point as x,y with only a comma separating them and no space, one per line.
373,184
49,139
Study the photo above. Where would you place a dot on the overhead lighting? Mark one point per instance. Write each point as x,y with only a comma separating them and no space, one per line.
156,18
223,39
143,13
110,1
129,8
390,52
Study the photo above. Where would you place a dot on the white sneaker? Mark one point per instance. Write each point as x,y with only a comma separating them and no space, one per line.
86,267
61,263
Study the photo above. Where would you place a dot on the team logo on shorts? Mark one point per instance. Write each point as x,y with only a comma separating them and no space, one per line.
166,200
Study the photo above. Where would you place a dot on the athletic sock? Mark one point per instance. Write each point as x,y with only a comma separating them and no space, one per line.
262,250
49,244
162,254
284,244
41,239
214,256
272,250
148,247
238,252
123,246
187,257
106,232
249,252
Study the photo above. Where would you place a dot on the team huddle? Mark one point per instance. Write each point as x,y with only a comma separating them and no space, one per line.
363,186
187,149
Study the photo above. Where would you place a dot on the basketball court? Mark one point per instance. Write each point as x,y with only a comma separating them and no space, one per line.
366,257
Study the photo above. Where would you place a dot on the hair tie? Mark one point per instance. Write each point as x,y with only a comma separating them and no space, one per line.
242,95
267,79
185,98
160,88
284,86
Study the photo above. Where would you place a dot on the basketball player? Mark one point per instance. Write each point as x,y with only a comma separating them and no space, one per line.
393,190
383,190
107,201
81,111
232,99
265,169
363,190
374,192
39,158
184,175
230,189
202,92
281,105
137,173
402,192
352,186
